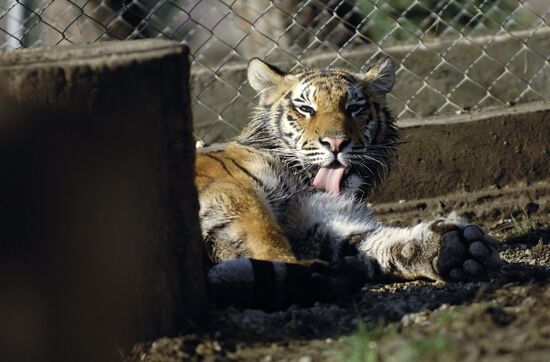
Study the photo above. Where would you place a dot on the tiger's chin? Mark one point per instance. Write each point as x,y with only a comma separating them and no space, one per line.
353,182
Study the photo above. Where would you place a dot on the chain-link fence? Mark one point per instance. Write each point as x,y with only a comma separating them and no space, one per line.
453,55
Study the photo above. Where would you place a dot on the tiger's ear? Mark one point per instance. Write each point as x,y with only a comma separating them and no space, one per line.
381,76
265,79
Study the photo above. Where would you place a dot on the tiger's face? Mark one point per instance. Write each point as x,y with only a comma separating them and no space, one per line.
333,121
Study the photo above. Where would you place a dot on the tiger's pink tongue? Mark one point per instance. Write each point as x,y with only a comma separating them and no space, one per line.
329,179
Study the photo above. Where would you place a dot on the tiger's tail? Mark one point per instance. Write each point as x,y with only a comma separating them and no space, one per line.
272,285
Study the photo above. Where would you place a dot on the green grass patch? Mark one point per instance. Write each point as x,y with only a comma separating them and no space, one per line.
432,348
372,343
362,346
524,226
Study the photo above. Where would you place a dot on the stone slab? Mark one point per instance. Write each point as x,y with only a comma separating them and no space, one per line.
470,152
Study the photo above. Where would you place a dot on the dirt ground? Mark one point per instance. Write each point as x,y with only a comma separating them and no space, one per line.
504,319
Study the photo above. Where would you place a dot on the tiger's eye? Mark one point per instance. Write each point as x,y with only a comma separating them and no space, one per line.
306,109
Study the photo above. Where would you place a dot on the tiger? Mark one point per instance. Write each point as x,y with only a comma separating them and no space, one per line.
283,206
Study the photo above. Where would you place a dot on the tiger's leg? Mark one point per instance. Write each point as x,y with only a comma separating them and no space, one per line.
255,264
438,250
262,235
237,223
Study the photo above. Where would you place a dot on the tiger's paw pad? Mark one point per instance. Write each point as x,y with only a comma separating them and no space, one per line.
465,252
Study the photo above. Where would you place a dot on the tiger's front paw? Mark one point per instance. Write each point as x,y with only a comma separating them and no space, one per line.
465,252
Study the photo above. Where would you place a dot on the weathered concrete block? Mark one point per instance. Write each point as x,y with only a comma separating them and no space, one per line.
101,246
470,152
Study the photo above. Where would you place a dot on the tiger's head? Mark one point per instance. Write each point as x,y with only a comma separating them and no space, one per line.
331,123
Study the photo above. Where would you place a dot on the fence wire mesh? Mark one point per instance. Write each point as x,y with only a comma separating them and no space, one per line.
452,55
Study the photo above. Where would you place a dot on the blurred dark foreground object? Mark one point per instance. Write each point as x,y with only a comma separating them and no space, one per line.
99,240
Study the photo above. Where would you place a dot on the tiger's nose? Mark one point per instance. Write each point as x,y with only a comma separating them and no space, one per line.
335,144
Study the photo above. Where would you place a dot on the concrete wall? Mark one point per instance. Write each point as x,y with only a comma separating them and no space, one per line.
466,70
99,235
470,152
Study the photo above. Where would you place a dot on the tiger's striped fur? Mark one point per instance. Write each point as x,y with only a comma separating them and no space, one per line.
291,188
